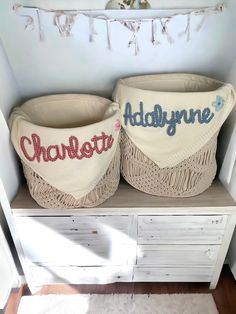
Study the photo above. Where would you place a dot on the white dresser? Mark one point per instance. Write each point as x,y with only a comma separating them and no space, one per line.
131,237
9,276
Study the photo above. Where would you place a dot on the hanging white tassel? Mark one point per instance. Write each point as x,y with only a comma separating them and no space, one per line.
155,41
29,19
70,21
92,30
56,22
108,23
65,20
134,27
66,27
203,20
187,30
164,31
40,28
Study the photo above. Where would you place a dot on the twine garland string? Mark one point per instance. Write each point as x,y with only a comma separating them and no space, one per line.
64,20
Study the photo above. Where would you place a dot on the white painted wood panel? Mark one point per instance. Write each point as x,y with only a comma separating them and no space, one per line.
8,272
111,247
181,229
173,274
43,275
127,200
80,241
177,255
223,250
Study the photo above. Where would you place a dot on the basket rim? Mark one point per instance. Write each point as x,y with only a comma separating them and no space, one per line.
129,82
27,119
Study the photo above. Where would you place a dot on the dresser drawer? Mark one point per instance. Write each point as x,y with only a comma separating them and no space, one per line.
177,255
80,241
181,229
49,274
173,274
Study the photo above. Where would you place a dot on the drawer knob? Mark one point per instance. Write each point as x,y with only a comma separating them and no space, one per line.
217,221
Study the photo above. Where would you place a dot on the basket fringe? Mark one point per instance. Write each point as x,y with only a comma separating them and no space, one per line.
190,177
49,197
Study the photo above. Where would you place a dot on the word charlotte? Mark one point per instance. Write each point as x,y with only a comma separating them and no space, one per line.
160,118
33,149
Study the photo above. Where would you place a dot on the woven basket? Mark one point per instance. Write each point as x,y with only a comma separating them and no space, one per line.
189,175
49,197
101,110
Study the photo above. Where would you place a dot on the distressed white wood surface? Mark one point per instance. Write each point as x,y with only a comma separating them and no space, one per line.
9,276
181,229
227,176
81,241
173,274
46,274
14,233
226,171
223,250
127,200
180,242
177,255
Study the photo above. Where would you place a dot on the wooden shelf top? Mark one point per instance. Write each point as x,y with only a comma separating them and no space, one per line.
128,200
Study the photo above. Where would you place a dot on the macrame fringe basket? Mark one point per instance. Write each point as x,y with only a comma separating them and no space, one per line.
194,173
49,196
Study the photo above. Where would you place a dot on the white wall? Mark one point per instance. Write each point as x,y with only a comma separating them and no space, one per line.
225,138
9,172
9,97
229,125
74,65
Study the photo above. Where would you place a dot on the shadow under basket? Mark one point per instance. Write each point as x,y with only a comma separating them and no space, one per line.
49,197
190,177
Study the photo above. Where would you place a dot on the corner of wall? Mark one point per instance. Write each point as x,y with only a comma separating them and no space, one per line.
9,97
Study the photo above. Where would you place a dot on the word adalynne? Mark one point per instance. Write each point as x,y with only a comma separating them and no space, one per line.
75,149
159,118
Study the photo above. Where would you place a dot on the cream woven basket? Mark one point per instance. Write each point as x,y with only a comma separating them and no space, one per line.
169,132
69,148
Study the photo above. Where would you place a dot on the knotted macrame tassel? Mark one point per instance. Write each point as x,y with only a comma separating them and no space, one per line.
203,20
56,22
92,30
187,30
66,27
29,24
155,41
165,30
134,27
40,27
108,23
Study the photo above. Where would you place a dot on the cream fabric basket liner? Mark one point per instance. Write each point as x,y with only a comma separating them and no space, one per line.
68,140
170,117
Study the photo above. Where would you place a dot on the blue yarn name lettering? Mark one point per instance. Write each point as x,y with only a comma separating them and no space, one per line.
159,118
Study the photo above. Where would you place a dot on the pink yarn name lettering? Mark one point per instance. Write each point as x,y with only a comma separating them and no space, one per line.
74,149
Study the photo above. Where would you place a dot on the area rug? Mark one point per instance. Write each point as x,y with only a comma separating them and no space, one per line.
118,304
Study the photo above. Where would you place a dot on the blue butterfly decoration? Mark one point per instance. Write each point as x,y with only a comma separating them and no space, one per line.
219,103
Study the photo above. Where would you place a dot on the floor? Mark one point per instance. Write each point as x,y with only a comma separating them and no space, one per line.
224,294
